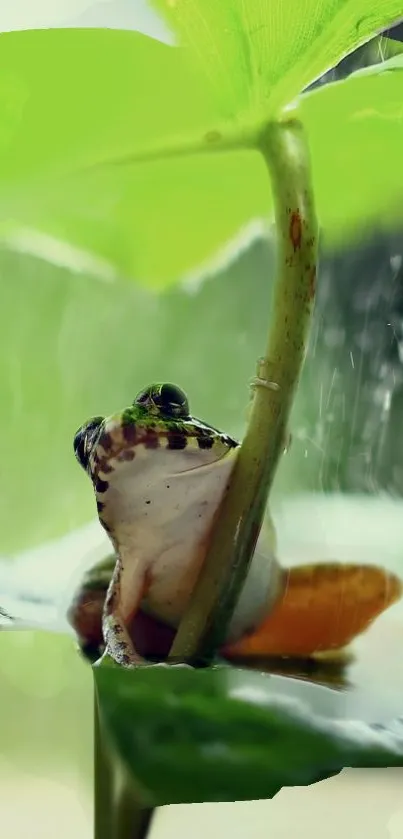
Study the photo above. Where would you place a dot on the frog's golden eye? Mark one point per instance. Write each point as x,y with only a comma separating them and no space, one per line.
84,439
166,399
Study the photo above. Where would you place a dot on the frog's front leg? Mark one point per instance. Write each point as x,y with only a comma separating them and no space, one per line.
125,593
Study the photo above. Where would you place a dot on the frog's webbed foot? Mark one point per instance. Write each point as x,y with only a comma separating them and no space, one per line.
119,645
257,381
262,380
85,611
117,616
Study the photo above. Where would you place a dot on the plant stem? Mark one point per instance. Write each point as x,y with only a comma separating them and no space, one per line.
118,815
238,524
132,821
103,780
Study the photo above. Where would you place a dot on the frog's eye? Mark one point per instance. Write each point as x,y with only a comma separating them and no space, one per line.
166,399
84,439
172,401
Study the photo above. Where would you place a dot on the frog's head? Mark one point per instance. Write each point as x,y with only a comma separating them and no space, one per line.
156,402
141,451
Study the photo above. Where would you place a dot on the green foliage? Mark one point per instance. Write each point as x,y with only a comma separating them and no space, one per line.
222,734
355,131
257,56
70,127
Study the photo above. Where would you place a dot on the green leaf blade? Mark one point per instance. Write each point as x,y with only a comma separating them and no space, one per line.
164,221
71,98
222,735
355,130
258,56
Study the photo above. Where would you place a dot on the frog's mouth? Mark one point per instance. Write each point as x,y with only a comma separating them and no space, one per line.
118,443
85,439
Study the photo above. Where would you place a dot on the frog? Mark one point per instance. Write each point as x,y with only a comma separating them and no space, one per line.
159,476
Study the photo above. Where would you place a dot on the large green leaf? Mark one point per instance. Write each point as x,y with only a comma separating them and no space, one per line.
122,92
74,97
258,55
224,735
355,131
158,221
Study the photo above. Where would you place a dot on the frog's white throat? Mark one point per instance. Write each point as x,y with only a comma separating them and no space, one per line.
158,509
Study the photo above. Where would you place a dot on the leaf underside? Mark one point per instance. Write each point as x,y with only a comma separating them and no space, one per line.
123,93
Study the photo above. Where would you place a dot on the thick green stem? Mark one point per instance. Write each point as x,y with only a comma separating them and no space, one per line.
117,813
238,524
103,780
131,820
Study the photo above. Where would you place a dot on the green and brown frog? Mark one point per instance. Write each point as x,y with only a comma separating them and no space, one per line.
159,476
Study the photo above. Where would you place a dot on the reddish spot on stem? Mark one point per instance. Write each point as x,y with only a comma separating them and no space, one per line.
295,230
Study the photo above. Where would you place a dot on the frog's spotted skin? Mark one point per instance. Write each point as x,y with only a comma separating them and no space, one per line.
159,476
131,436
158,482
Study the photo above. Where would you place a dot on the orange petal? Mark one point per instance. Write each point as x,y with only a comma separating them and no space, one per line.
323,608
